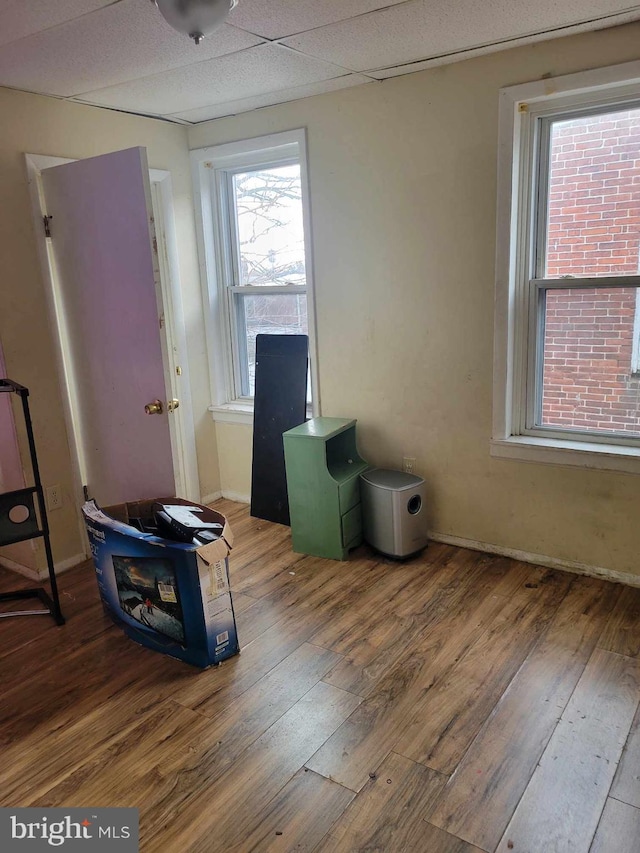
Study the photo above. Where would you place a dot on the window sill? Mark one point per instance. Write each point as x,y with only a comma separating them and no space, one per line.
239,413
582,454
233,413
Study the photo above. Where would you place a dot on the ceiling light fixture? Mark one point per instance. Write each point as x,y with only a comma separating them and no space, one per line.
196,18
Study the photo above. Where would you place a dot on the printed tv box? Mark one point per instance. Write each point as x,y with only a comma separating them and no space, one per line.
171,596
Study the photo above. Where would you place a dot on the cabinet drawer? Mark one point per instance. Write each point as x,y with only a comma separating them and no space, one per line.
352,526
349,494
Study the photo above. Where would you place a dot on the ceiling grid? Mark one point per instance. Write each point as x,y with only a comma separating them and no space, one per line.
122,54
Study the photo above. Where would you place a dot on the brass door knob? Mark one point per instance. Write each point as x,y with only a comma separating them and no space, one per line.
172,405
154,408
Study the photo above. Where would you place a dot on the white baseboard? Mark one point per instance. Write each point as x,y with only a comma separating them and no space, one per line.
65,565
235,496
230,496
540,560
19,568
43,574
209,499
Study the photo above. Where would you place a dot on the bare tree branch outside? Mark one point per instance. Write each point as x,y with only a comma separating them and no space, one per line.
270,252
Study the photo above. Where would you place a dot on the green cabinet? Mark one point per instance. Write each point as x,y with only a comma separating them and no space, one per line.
323,471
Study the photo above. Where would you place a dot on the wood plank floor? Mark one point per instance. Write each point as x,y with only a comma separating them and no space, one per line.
454,703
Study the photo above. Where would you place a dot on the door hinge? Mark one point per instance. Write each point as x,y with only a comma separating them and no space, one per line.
85,492
47,225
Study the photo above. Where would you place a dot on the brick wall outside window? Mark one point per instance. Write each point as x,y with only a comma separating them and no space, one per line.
593,230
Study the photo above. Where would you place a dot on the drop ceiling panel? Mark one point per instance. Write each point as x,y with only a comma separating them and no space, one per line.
122,42
19,18
230,108
277,18
419,29
468,53
256,71
121,54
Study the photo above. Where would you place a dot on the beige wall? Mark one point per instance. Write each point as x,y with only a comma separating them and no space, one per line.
403,194
47,126
235,450
403,188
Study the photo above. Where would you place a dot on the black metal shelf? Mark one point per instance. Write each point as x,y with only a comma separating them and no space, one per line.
20,522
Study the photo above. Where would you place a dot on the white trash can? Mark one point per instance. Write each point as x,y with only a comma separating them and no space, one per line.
393,512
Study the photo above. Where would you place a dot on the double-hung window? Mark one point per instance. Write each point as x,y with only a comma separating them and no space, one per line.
567,354
252,209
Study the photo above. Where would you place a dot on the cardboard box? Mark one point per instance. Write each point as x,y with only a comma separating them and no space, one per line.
171,596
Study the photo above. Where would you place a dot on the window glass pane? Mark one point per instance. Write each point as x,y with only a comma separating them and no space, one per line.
594,196
590,339
271,314
268,208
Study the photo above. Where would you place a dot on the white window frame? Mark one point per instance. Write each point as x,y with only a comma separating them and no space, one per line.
211,169
516,313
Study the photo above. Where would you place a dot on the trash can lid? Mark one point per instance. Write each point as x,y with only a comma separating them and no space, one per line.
389,479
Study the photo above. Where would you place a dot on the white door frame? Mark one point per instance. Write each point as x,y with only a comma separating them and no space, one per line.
174,338
172,333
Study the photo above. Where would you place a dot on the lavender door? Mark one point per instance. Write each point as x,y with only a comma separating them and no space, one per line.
106,271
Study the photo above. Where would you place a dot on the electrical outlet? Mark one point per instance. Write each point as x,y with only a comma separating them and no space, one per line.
409,464
54,498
